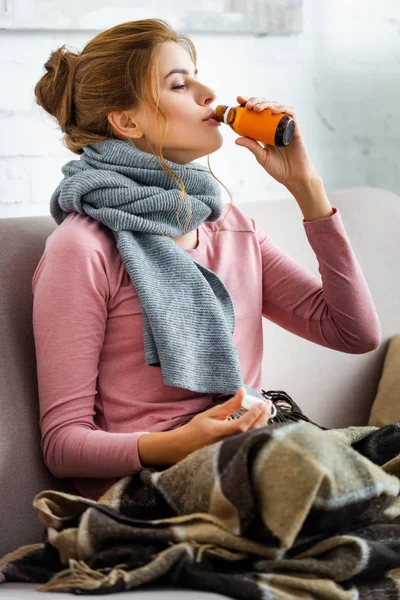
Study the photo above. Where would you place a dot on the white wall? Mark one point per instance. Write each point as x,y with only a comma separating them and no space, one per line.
341,75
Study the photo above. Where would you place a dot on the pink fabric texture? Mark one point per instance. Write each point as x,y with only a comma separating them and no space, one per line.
97,395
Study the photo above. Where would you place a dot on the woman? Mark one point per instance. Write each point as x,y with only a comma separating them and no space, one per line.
140,275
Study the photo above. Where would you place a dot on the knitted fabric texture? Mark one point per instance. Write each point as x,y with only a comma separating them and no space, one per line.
188,313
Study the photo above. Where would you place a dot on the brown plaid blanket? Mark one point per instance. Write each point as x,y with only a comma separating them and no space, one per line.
287,511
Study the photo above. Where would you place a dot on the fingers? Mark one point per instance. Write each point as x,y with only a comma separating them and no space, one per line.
222,411
247,420
257,416
242,99
258,103
262,420
241,392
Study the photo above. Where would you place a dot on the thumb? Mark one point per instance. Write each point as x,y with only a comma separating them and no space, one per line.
222,411
253,146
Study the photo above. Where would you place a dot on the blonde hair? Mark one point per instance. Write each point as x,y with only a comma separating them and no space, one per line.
116,70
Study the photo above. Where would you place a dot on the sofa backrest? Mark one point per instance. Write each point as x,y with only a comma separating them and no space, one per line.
22,471
333,388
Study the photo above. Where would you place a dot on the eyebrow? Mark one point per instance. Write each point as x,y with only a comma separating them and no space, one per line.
184,71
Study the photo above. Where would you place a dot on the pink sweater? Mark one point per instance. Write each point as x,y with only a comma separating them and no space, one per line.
98,396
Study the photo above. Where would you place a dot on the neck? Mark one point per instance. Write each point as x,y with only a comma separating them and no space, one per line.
189,241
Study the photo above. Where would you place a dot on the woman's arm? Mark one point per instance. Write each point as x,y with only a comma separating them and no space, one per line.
336,311
340,313
161,448
71,292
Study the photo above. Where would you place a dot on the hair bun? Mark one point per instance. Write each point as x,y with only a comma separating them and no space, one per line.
54,90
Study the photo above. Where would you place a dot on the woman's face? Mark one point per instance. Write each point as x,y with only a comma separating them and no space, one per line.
186,101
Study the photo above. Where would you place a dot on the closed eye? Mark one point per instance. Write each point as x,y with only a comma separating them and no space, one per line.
179,87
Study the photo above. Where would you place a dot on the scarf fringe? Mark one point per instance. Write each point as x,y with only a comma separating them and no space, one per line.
80,575
287,409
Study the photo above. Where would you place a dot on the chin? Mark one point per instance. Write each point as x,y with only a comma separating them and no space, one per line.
209,149
216,145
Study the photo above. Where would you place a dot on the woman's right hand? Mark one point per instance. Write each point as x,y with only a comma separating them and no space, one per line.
212,425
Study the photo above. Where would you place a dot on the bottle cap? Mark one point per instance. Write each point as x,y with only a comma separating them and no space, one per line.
221,113
285,131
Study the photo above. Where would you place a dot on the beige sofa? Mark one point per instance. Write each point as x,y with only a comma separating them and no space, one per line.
334,389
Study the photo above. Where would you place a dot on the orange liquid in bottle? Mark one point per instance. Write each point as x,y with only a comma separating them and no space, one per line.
263,126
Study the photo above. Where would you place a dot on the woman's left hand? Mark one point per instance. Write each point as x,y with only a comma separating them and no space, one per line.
290,164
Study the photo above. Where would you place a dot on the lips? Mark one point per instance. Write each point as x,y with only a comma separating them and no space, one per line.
210,115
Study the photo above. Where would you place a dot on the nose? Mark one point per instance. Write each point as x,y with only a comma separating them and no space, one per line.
212,97
208,95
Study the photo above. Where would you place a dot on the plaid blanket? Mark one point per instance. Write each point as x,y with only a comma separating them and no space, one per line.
287,511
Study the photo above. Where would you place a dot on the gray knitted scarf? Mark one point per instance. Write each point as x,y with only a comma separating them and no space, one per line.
188,314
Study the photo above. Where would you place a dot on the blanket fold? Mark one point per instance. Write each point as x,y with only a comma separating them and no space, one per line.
286,511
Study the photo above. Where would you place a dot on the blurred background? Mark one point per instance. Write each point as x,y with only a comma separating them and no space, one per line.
340,73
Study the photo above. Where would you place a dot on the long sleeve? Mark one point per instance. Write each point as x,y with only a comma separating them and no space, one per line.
339,313
71,290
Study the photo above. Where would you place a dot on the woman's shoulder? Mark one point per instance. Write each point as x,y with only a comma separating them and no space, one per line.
83,232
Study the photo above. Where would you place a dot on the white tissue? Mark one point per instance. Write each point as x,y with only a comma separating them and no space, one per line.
249,401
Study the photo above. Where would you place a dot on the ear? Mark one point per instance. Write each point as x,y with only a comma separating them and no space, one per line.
125,123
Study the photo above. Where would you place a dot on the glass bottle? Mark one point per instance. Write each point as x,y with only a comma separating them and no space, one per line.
263,126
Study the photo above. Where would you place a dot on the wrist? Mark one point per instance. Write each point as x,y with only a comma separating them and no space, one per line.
178,443
311,197
160,448
301,186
